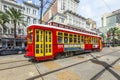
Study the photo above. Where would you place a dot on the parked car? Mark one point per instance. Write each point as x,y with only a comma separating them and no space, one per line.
20,50
12,50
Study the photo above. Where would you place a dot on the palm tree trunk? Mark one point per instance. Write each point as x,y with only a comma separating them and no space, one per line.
14,33
113,38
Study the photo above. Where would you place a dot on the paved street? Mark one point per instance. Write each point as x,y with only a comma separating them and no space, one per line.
104,65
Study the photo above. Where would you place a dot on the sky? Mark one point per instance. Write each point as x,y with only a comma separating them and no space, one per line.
93,9
34,1
96,8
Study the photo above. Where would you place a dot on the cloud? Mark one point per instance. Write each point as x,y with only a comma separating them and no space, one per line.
96,8
86,9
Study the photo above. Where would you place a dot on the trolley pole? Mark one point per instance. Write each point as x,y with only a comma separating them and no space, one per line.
41,11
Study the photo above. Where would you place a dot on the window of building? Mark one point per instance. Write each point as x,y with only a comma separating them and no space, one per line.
62,5
34,21
111,20
8,31
19,31
34,12
5,7
70,20
0,30
19,10
28,10
118,18
28,19
5,30
12,30
61,20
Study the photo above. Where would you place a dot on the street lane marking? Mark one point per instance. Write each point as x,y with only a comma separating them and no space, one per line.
31,73
117,67
67,75
79,58
51,65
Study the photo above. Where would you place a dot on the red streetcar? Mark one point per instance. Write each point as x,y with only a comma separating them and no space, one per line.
47,42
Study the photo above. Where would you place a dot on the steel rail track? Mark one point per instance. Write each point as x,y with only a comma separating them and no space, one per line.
53,71
15,67
12,61
107,67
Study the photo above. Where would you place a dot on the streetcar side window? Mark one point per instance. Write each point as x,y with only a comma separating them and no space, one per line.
37,35
82,38
65,38
91,40
96,40
70,38
75,38
30,36
78,39
60,37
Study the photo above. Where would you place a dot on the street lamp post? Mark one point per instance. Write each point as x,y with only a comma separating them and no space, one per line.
41,11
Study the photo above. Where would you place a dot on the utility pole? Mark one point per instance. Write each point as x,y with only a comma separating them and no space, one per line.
41,11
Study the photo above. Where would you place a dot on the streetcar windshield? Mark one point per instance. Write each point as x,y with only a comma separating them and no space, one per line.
30,36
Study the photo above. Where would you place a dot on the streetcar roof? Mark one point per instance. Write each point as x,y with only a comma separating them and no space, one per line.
54,27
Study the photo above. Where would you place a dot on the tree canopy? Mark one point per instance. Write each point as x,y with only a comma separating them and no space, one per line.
4,18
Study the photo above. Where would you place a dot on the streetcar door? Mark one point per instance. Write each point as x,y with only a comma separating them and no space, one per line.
43,43
39,43
100,44
48,43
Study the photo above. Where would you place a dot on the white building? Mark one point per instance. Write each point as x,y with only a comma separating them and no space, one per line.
5,5
110,20
29,10
30,13
65,12
70,5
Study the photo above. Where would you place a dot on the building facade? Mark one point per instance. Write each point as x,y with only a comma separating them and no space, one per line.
91,24
30,12
110,20
5,5
65,12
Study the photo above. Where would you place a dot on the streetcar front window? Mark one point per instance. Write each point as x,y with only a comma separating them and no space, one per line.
30,36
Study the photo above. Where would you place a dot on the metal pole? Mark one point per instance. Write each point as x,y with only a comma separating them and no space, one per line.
41,11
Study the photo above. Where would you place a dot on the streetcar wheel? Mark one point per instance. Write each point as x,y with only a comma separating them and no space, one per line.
58,56
19,52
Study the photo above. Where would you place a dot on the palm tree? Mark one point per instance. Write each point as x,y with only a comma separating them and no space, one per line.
112,32
118,34
3,20
15,16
